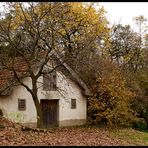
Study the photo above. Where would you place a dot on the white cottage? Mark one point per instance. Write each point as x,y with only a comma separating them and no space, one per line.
63,101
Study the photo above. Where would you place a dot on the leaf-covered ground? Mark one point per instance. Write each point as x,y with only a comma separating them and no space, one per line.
12,135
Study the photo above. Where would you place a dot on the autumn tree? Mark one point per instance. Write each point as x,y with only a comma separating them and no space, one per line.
81,38
142,28
25,33
138,79
129,50
31,31
111,101
125,47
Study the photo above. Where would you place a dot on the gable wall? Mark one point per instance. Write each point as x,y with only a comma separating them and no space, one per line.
67,90
9,105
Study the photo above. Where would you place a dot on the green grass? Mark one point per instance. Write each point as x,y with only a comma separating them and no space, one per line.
131,136
128,135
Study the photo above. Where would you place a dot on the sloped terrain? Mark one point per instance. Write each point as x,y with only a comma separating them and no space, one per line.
13,135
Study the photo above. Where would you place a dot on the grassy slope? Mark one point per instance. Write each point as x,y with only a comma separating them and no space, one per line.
133,137
129,136
90,135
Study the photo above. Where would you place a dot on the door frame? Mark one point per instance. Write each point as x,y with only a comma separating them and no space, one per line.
57,100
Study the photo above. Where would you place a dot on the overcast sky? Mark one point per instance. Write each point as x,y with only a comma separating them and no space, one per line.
121,11
125,11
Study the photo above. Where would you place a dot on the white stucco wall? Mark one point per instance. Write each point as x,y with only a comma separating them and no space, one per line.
9,105
67,90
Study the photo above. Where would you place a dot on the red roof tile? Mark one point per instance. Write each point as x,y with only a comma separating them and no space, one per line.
7,76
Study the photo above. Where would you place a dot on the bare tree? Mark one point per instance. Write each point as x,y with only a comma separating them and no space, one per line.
30,32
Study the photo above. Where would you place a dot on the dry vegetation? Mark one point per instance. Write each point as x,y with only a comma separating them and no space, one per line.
12,135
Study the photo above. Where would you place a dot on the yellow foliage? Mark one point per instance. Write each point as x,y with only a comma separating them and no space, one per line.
113,98
82,23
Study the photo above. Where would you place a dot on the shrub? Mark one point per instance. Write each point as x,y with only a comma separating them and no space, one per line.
111,101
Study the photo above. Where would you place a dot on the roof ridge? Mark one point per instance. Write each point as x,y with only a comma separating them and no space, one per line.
74,74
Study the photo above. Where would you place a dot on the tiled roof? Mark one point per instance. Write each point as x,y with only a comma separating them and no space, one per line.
7,76
5,79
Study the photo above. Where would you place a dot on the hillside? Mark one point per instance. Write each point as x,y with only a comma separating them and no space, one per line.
13,135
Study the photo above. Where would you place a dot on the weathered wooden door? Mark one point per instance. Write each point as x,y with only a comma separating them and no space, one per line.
50,112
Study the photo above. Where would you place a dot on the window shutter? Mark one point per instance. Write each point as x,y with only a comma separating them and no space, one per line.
53,78
49,81
73,103
46,82
21,104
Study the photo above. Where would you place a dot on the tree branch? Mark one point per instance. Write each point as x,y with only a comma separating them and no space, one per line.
18,79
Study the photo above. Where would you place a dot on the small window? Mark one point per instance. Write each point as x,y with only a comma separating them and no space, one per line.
73,103
21,104
49,82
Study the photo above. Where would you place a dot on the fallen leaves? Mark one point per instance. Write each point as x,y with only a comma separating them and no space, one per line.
13,135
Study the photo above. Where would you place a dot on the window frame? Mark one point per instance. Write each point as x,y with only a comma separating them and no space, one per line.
73,104
50,78
20,108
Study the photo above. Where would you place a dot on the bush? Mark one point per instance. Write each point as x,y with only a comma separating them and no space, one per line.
111,101
139,126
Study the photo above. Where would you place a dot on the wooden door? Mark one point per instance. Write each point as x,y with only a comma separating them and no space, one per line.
50,112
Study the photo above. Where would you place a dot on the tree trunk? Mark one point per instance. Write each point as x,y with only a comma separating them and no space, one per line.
37,103
39,113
